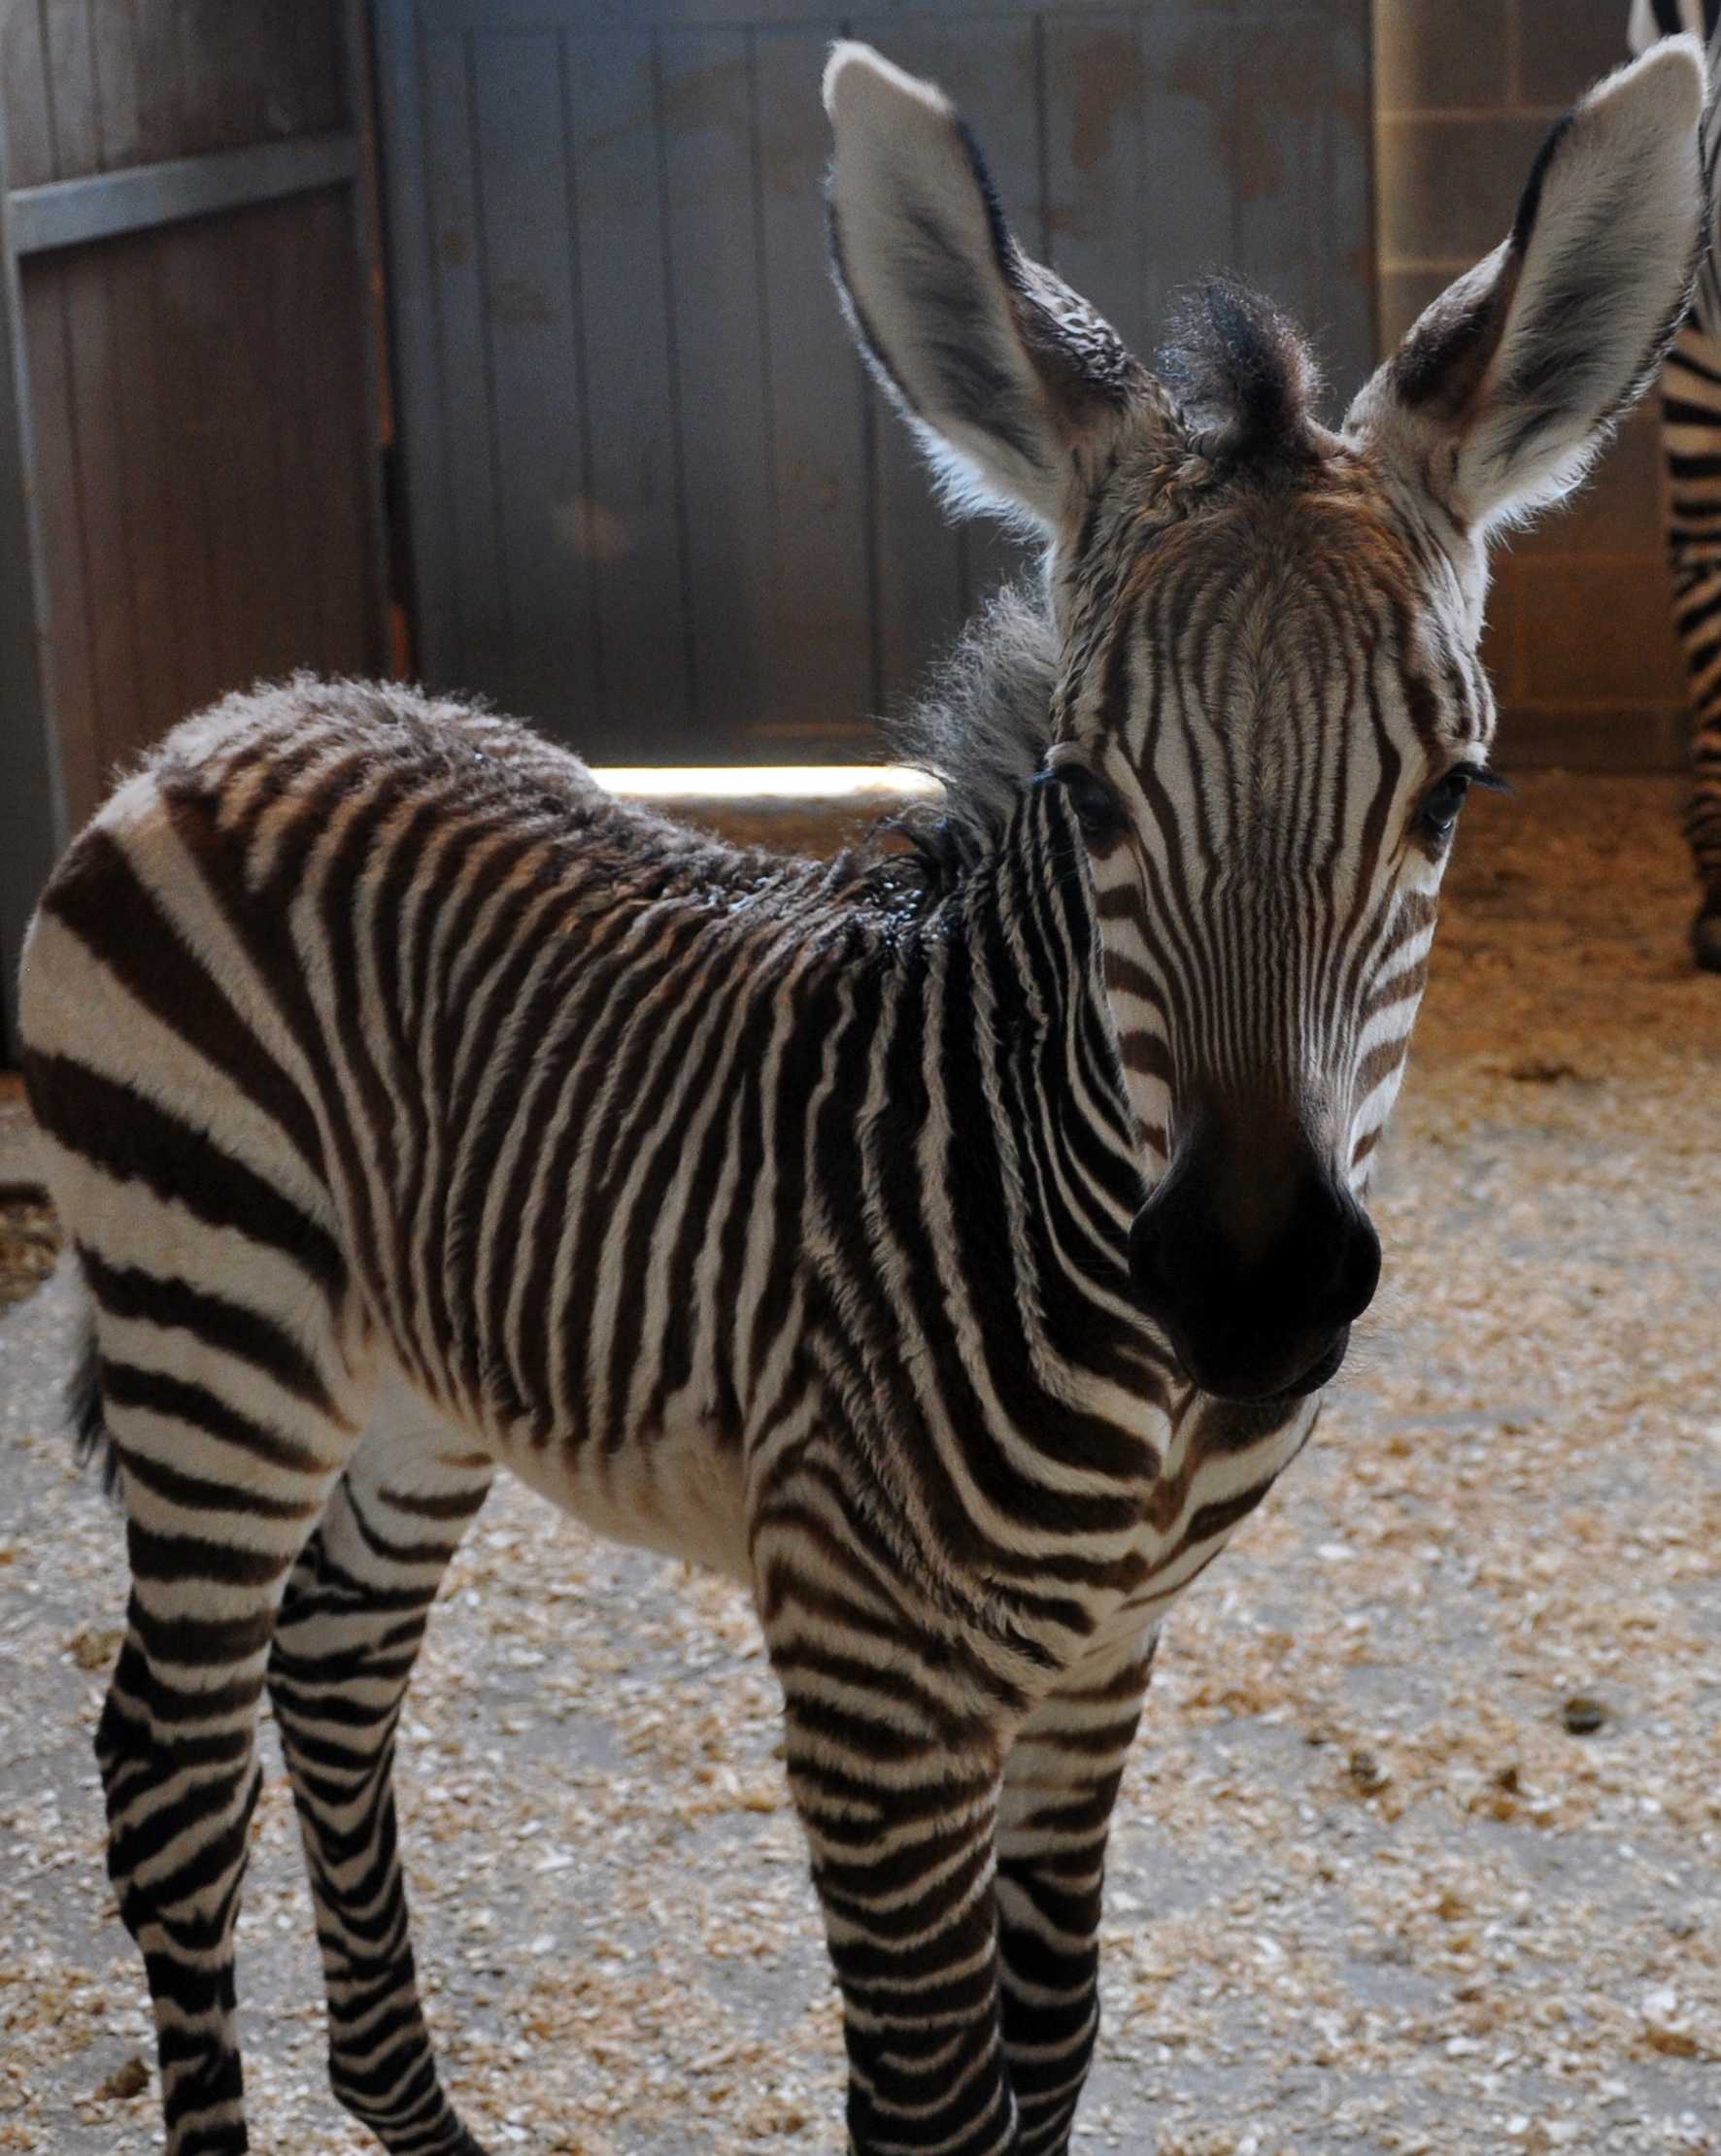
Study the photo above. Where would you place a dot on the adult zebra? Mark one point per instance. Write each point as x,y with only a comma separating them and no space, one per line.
952,1246
1691,446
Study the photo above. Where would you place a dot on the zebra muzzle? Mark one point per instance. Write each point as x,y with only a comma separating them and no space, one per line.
1255,1270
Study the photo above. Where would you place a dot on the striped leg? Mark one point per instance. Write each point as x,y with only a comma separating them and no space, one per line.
1059,1782
228,1439
1691,434
896,1788
350,1631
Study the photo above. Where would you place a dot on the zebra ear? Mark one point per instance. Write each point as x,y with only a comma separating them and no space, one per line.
1508,385
998,367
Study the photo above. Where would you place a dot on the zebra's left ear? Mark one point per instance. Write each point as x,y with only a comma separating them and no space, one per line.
1504,389
1000,368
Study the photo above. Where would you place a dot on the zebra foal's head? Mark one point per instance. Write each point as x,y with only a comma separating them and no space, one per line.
1266,705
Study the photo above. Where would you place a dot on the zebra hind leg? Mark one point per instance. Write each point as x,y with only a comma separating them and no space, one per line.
350,1631
226,1437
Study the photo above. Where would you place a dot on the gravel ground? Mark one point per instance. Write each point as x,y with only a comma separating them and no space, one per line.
1420,1852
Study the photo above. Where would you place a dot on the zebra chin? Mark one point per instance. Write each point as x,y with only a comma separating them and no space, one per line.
1263,1374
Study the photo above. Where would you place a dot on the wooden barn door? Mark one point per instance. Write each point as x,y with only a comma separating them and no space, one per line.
653,503
187,432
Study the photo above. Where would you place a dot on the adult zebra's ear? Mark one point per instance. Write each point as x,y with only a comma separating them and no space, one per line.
1000,368
1506,387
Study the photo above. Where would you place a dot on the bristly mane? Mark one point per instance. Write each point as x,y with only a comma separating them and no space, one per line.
982,726
1243,374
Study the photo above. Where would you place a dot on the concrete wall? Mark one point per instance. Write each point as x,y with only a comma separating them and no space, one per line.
1579,640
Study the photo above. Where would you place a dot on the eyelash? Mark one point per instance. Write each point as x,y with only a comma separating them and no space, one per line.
1439,829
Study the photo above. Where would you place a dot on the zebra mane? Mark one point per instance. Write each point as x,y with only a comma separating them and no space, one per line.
982,725
1243,374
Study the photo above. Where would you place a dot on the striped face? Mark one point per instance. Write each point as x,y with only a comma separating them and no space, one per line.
1269,704
1277,717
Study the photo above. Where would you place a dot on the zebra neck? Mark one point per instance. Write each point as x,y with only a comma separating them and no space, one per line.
1036,1096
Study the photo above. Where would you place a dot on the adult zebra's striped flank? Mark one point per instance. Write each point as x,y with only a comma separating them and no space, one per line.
1691,449
951,1244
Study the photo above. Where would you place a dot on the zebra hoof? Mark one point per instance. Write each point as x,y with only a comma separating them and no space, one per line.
1705,940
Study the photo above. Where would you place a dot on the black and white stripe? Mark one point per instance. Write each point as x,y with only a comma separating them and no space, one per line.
1691,443
951,1242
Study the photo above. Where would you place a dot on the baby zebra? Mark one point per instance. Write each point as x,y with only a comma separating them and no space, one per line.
951,1244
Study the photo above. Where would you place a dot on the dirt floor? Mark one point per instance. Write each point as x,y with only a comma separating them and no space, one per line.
1420,1852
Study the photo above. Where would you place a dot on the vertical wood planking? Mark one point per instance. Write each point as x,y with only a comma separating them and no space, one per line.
723,377
298,67
634,511
423,419
820,683
1352,341
236,471
300,402
313,40
480,647
1096,178
765,553
336,446
114,54
54,472
154,543
71,89
160,93
23,94
109,624
529,319
55,450
181,268
1185,218
200,453
1278,129
92,363
199,25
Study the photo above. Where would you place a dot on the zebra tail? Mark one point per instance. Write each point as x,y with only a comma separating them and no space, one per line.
90,1435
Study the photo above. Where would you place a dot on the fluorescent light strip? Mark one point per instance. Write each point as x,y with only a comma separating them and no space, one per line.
761,781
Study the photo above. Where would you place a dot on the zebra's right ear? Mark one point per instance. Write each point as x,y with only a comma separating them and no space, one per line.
1504,389
1001,369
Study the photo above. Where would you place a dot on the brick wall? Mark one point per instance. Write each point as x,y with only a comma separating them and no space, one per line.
1578,641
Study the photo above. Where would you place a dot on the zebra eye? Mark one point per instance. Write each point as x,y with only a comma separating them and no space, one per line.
1437,816
1098,809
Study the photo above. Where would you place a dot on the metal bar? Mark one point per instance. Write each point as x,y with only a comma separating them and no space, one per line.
414,337
32,787
67,213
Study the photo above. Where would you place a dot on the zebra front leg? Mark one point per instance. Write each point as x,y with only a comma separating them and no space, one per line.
348,1635
895,1781
1061,1779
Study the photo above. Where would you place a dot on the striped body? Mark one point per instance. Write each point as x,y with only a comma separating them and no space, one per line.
554,1138
1690,445
1691,433
951,1243
591,1129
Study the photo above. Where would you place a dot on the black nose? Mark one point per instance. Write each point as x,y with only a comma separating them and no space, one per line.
1255,1269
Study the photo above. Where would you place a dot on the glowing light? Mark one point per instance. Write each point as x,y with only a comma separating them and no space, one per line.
762,782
